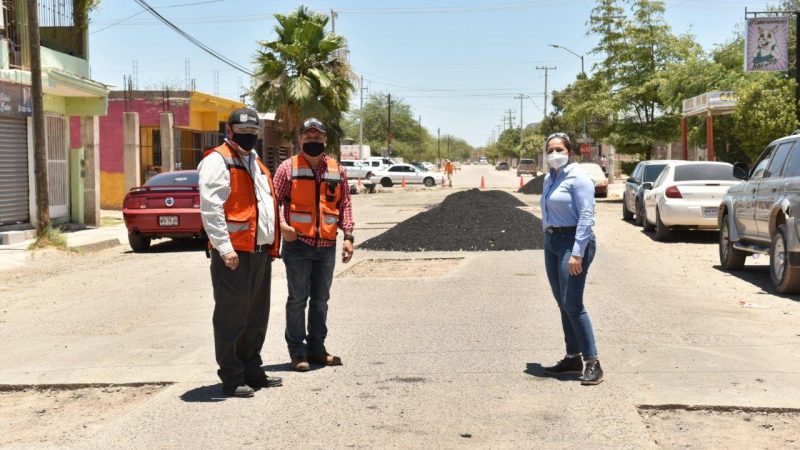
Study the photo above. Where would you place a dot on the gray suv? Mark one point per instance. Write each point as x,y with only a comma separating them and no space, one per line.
757,215
633,196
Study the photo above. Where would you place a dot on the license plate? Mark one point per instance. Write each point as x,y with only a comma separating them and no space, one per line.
168,221
710,212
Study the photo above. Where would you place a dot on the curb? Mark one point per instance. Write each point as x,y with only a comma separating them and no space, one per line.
96,246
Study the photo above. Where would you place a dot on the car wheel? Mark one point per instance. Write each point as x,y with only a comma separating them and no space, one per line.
428,182
138,242
386,182
785,278
729,257
662,232
626,215
640,218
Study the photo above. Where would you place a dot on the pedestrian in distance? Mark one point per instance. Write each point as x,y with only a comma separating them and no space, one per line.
240,216
449,168
569,247
312,190
604,164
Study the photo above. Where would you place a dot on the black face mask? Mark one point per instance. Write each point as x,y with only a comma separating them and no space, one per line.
313,148
245,141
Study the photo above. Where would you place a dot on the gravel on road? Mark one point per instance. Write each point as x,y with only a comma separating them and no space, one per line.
472,220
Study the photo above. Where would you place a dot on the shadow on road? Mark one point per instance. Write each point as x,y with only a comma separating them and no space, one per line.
286,367
177,246
205,394
759,277
687,236
536,370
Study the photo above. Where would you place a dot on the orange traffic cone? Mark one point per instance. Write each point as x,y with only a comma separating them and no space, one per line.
521,184
483,183
443,185
404,183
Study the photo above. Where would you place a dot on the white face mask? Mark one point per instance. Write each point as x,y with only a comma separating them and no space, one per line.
557,160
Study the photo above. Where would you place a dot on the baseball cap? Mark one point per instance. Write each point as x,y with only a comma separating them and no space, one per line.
312,123
244,118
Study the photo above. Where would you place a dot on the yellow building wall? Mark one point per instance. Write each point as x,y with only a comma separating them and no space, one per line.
112,190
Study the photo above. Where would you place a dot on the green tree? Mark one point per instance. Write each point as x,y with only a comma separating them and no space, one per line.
407,141
764,112
301,74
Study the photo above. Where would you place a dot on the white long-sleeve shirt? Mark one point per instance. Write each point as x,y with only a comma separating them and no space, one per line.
215,187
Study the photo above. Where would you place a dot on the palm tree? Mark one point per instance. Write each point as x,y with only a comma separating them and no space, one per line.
303,74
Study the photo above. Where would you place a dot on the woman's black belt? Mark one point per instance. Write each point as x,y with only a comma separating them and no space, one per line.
561,229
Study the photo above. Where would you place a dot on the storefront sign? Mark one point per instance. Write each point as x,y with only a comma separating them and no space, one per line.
766,45
15,100
714,101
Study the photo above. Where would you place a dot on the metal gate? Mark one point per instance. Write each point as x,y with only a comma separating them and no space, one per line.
57,166
14,201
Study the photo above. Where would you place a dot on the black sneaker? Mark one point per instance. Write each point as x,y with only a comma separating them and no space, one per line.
593,373
566,365
241,390
264,382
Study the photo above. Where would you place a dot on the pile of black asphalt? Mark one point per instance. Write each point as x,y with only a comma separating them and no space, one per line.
535,186
471,220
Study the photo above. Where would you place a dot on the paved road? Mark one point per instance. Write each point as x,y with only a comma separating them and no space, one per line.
445,350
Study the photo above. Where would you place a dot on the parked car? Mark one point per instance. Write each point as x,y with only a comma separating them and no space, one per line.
167,206
379,163
686,195
502,165
429,166
419,166
598,177
633,195
757,216
526,167
483,160
412,175
356,169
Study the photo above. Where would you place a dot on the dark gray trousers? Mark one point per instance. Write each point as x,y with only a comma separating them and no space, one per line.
241,313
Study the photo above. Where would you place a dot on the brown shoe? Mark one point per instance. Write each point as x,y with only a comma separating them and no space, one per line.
300,364
324,359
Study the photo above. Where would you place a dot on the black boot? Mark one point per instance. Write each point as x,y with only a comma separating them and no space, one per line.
566,365
593,373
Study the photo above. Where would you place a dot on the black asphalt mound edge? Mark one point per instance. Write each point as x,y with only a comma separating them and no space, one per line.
471,220
535,186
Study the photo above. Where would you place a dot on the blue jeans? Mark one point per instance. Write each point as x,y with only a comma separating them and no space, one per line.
568,291
309,272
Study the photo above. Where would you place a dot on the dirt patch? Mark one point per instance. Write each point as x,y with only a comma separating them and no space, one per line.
60,415
471,220
721,427
401,268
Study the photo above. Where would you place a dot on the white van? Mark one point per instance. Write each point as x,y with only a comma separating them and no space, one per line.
379,162
357,168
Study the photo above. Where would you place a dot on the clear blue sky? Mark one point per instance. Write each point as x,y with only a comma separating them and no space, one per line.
458,63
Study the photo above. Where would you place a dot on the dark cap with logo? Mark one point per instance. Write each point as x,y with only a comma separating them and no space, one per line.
312,123
244,118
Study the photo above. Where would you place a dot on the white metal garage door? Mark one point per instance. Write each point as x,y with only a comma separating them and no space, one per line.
57,166
13,171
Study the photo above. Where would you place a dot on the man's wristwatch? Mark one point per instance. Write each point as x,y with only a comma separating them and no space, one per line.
349,237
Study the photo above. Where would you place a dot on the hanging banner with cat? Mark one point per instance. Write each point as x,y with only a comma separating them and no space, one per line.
766,44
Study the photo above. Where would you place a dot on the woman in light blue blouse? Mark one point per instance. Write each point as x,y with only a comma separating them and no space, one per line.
569,247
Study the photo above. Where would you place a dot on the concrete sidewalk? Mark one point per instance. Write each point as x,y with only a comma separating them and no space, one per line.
85,240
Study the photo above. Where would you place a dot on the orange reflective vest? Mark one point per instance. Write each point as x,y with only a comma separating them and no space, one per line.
314,206
241,208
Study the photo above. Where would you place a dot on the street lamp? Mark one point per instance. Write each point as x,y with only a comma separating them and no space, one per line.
579,56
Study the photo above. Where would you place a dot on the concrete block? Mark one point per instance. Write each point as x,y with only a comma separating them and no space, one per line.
167,131
133,158
16,237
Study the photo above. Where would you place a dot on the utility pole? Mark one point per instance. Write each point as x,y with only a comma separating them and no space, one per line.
448,146
389,135
333,21
521,97
419,138
546,69
39,150
361,122
439,147
510,119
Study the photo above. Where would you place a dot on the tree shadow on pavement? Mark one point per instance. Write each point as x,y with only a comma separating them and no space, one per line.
205,394
536,370
759,277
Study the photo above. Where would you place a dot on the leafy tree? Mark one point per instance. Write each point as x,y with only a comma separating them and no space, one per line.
301,73
406,140
764,112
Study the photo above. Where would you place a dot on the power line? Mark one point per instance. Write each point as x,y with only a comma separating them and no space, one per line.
160,7
192,39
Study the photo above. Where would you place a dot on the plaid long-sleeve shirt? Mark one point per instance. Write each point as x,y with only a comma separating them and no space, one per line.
283,190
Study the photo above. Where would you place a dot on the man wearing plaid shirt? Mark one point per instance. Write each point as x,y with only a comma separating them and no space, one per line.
309,257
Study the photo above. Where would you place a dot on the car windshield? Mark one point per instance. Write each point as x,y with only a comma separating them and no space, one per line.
174,179
691,172
526,161
592,169
652,172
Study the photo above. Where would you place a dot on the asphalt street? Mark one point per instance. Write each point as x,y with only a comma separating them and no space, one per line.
440,349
